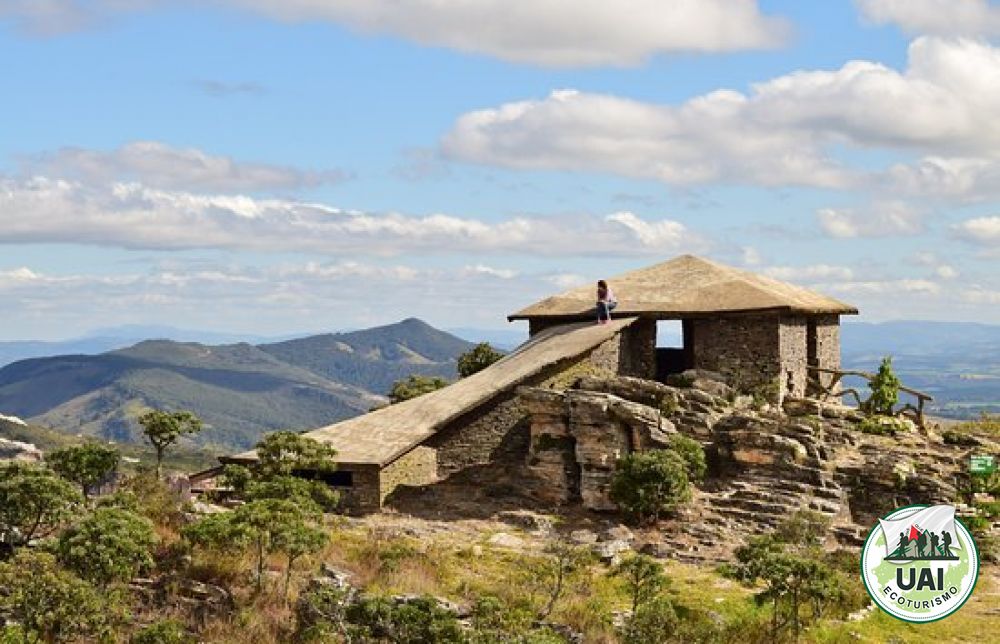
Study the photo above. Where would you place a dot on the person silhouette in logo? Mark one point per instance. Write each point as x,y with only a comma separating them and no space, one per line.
921,544
946,543
934,545
904,543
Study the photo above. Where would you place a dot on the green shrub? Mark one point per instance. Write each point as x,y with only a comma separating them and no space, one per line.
885,390
414,386
109,544
883,425
646,485
476,359
693,455
960,438
167,631
34,502
417,621
654,621
50,604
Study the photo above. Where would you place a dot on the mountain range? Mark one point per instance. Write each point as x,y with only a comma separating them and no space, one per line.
240,390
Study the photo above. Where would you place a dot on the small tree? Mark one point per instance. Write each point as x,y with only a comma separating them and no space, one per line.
476,359
284,453
556,572
34,502
86,465
295,540
50,604
284,459
648,484
643,577
163,429
109,544
789,563
654,621
885,390
413,387
267,525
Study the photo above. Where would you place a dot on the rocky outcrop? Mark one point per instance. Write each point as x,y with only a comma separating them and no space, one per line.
764,464
18,451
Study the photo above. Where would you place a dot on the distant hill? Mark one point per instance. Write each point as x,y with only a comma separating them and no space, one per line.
118,337
374,358
239,390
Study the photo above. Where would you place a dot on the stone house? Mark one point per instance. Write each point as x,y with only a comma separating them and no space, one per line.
759,332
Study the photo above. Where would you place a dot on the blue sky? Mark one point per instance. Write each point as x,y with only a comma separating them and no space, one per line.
271,167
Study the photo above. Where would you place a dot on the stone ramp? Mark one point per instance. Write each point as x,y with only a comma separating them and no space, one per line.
379,437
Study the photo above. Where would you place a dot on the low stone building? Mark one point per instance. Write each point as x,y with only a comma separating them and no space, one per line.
758,332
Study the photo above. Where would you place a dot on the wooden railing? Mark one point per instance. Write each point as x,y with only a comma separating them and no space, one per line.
816,386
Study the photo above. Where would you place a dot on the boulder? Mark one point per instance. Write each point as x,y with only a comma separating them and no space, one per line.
610,552
18,451
527,520
506,540
583,537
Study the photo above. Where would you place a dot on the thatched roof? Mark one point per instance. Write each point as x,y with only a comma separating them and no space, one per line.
688,286
380,437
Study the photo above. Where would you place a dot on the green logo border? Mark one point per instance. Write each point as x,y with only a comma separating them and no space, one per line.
861,566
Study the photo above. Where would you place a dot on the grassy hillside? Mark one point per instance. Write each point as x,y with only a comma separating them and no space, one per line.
241,391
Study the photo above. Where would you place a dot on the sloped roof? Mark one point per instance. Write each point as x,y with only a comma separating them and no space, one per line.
379,437
688,286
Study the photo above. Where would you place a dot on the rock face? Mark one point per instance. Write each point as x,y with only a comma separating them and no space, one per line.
18,451
764,465
578,435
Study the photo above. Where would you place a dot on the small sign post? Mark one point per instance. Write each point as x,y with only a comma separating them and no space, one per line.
982,464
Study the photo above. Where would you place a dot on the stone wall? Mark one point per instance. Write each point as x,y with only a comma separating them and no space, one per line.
793,356
416,467
495,432
637,355
824,344
364,494
745,349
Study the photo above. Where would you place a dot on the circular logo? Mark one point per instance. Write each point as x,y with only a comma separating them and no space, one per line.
919,563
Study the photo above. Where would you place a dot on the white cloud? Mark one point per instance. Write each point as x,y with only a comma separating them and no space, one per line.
132,215
878,220
160,165
879,287
751,256
965,179
984,231
979,295
784,132
279,299
550,32
944,17
542,32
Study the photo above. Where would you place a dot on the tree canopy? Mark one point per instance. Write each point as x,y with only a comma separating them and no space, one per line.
86,465
49,603
109,544
477,358
163,429
415,386
34,502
